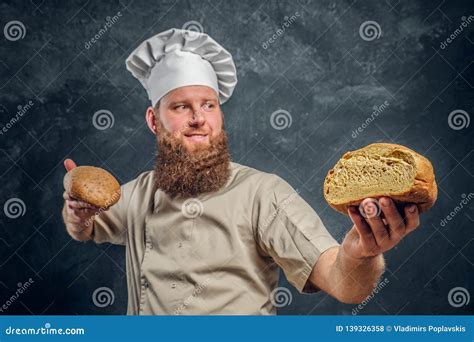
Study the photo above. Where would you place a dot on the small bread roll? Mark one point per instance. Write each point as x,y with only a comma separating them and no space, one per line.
93,185
381,170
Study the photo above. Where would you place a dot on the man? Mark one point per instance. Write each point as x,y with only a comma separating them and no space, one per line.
205,235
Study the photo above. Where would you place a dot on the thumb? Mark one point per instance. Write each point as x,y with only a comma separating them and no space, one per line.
69,164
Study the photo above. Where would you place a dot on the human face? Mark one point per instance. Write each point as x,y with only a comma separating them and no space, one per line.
192,114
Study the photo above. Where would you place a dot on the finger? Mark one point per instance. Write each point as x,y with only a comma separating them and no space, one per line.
80,204
67,196
367,238
79,215
394,219
73,215
370,209
412,218
85,211
69,164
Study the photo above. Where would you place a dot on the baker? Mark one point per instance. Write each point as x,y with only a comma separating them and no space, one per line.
206,235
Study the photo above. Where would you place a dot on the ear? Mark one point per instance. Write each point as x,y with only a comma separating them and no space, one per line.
150,119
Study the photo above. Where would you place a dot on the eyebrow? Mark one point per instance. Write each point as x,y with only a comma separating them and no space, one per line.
173,103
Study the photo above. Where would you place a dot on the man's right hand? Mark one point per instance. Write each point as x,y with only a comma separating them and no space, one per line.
78,215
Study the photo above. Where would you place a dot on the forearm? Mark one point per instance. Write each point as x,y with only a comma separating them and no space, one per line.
77,232
348,279
355,279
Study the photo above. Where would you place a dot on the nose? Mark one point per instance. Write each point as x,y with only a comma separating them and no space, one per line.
197,119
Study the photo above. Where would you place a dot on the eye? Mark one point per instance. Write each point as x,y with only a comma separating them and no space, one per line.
179,107
208,106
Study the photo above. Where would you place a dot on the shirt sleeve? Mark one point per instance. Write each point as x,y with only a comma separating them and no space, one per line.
289,230
111,225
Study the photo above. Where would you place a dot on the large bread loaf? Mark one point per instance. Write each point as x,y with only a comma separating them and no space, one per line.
378,170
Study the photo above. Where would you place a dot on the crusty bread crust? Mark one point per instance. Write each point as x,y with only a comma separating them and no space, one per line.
423,192
93,185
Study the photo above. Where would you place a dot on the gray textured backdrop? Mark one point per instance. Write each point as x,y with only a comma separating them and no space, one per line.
311,63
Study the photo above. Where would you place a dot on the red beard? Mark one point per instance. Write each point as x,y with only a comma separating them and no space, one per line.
179,172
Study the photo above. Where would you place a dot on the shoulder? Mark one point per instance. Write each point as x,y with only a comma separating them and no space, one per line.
143,182
259,181
246,174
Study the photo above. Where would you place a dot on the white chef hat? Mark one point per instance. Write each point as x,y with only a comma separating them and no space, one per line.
177,58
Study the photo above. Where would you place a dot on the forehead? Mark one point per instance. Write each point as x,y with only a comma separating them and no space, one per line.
190,93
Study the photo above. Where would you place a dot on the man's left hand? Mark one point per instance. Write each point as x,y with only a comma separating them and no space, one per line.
371,234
